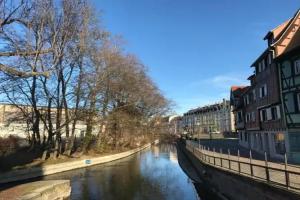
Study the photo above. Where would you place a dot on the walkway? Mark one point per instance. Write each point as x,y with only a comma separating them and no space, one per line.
233,147
276,173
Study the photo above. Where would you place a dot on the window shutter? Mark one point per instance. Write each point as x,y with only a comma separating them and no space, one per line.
266,90
261,115
269,114
253,116
270,58
260,92
278,112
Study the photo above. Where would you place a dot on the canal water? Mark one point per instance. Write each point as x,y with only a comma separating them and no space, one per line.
151,174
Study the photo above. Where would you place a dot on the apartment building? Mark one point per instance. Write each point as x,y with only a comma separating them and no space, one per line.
216,118
175,125
289,67
263,109
13,122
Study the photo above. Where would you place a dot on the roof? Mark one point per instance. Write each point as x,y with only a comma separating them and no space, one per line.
212,107
259,57
234,88
236,91
276,32
251,77
286,27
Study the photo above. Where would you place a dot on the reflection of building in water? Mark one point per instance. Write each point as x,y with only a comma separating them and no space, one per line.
173,157
156,151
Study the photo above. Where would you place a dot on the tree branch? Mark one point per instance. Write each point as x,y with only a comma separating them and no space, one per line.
13,72
30,53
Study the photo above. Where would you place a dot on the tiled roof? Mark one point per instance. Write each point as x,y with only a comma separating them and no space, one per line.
234,88
278,30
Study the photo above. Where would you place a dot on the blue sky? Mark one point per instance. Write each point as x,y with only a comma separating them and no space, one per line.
195,49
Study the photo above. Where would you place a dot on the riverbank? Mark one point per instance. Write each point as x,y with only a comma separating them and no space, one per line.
46,190
153,173
43,170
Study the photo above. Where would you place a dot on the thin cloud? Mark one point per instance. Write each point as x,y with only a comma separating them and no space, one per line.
224,81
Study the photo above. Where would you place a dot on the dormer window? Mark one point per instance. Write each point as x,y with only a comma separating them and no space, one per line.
270,40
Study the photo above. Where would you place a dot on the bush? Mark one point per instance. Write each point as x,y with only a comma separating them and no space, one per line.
9,145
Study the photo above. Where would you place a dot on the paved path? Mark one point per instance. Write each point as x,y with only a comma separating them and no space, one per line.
276,169
233,146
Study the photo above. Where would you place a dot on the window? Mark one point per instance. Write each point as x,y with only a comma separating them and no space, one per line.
294,142
239,117
253,95
263,91
263,65
263,115
269,114
298,101
253,116
259,67
270,57
246,99
297,66
275,112
248,117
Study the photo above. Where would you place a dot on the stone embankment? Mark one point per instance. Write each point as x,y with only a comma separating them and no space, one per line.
39,190
23,174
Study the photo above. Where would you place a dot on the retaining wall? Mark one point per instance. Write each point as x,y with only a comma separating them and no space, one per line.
234,186
34,172
39,190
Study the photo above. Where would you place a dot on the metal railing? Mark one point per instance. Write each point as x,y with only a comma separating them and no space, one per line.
280,174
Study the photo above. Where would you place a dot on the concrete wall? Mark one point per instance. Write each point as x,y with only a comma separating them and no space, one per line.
24,174
234,186
39,190
20,130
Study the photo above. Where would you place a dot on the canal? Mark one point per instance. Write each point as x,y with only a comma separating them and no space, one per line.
151,174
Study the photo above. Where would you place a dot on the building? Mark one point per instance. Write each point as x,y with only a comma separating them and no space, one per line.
175,125
14,122
216,118
263,109
289,67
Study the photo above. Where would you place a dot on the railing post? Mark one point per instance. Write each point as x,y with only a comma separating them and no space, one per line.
267,167
239,164
208,155
221,156
251,168
228,151
287,178
214,150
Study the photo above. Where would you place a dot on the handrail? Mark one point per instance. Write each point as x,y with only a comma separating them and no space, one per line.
270,172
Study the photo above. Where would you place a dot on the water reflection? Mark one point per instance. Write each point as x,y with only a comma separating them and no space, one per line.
151,174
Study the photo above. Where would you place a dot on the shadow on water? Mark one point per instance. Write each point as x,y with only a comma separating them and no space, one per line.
204,192
151,174
154,173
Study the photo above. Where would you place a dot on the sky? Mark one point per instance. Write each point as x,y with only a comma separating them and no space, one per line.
195,49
